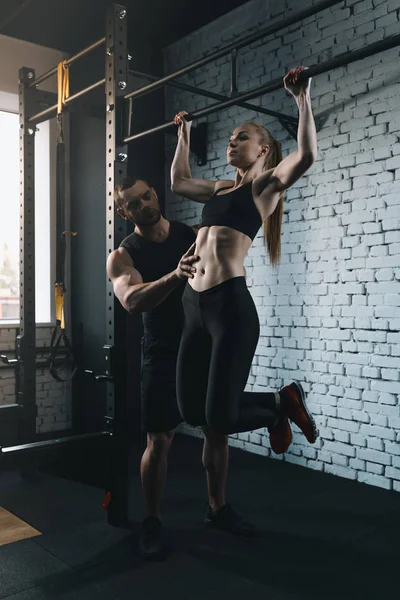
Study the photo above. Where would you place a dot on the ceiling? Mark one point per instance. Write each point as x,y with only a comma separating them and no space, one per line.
70,25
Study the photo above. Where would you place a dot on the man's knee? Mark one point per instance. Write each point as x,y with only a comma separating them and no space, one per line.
160,442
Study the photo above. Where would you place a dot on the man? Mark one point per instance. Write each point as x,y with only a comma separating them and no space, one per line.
149,271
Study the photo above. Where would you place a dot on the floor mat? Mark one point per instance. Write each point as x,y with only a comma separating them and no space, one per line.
13,529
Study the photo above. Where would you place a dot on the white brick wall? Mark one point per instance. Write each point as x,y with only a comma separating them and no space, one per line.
53,398
330,314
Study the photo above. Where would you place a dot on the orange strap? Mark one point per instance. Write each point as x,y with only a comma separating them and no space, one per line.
63,85
59,293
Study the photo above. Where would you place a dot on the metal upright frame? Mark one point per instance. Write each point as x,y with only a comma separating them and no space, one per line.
116,168
26,340
25,363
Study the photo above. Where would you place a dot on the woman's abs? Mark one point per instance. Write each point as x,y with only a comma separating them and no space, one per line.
221,252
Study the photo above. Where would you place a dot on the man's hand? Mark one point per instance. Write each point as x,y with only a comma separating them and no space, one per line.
185,268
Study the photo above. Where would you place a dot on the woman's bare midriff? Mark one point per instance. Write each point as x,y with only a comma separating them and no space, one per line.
221,252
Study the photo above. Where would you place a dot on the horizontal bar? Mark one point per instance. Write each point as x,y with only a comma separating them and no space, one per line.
38,446
38,350
43,77
53,71
86,51
85,91
269,30
194,90
47,112
340,61
349,57
40,364
51,109
163,127
9,407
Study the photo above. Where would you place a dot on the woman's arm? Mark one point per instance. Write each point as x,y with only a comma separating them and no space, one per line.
268,186
182,182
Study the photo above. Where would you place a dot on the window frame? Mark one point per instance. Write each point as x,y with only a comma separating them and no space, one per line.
13,323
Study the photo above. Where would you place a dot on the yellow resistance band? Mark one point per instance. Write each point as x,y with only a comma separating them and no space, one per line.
60,304
59,293
63,85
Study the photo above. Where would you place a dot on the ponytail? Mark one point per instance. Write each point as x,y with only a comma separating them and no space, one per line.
273,223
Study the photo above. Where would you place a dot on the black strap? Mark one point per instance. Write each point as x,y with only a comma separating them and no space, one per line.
60,210
59,334
57,337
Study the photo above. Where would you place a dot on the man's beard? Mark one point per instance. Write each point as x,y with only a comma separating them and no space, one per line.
147,220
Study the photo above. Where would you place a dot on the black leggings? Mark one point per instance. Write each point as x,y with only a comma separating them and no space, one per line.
218,343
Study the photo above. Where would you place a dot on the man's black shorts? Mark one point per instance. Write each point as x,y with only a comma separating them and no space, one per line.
158,386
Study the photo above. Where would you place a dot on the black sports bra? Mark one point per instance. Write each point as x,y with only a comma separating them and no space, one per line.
235,209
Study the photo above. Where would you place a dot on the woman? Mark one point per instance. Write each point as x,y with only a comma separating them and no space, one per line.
221,329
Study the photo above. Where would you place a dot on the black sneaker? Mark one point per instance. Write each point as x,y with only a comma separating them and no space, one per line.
228,519
151,544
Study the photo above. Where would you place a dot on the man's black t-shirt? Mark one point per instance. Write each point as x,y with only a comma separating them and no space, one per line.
153,260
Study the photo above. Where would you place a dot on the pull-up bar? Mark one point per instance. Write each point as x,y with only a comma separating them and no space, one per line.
39,446
69,61
201,92
48,111
269,30
340,61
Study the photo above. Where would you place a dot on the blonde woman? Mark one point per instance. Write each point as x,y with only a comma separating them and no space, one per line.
221,329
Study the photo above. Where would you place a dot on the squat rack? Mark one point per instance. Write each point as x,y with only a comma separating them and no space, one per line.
117,126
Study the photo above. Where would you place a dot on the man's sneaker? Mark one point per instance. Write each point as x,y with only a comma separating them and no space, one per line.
293,406
151,544
280,436
228,520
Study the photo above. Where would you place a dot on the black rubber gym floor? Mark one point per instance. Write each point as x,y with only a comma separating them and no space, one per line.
322,537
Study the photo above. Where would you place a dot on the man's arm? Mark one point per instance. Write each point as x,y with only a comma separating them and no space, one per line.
136,296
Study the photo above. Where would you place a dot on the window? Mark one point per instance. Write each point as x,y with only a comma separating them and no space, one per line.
9,221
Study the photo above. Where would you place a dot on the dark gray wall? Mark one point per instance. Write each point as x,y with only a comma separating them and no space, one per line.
88,284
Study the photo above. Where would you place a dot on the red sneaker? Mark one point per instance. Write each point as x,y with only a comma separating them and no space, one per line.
280,436
293,406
